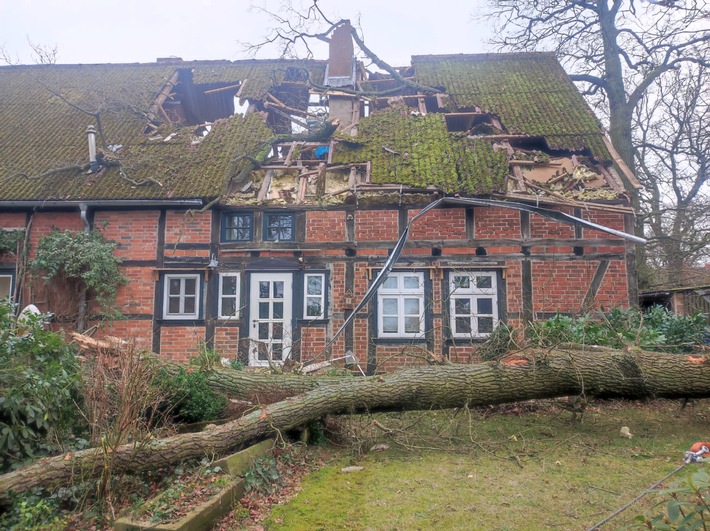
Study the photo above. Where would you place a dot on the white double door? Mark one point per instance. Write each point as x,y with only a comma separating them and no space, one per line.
270,315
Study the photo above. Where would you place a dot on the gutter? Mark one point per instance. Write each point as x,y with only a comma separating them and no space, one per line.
102,203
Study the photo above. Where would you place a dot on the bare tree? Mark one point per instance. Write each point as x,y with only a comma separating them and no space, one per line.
625,54
673,154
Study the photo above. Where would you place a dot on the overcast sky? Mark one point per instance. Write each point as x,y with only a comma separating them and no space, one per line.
128,31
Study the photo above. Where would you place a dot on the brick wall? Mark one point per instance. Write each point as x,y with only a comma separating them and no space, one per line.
561,286
439,224
187,227
136,232
313,341
325,226
226,341
180,343
376,225
137,296
491,222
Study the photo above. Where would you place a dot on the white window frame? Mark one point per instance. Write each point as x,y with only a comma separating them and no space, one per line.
472,293
166,295
221,296
12,283
306,296
400,294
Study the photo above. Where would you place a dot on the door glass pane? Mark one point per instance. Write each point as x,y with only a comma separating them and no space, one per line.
389,306
190,286
277,351
190,305
411,306
411,325
315,285
278,310
485,306
313,308
229,306
174,288
173,305
484,282
411,282
389,325
263,331
390,283
462,306
229,285
279,289
263,289
463,325
278,331
263,310
263,351
461,281
485,325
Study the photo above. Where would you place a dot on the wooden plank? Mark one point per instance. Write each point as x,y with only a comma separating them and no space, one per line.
290,152
222,89
263,192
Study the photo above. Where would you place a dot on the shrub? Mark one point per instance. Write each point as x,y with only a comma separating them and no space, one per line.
41,385
655,329
189,397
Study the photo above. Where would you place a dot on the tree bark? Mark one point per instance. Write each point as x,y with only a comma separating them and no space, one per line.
539,374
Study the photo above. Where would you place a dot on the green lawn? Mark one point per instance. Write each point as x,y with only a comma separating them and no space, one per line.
498,469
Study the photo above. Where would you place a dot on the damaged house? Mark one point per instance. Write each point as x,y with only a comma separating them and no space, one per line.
255,203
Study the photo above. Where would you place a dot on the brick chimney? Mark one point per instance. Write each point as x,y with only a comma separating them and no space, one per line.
340,72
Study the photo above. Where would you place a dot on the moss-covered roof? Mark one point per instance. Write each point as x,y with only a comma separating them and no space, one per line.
41,131
530,92
419,151
44,112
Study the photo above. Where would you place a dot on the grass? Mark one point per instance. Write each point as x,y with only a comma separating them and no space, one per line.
525,467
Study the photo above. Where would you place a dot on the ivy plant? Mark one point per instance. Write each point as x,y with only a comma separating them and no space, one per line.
84,257
9,239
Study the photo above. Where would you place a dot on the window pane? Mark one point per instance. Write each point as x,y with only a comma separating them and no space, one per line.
263,331
389,306
229,307
463,325
263,289
263,310
278,289
315,285
484,282
278,331
190,305
462,281
278,310
313,307
173,305
174,286
229,285
411,325
485,325
485,306
238,227
411,282
263,351
279,226
390,282
411,306
5,285
462,306
389,325
190,286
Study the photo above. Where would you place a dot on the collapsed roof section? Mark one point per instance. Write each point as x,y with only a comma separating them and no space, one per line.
252,132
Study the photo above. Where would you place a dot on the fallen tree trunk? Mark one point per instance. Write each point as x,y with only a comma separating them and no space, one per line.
541,374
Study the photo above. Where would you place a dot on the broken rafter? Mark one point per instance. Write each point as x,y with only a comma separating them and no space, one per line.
222,89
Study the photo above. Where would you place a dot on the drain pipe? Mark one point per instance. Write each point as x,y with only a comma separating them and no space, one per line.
81,317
